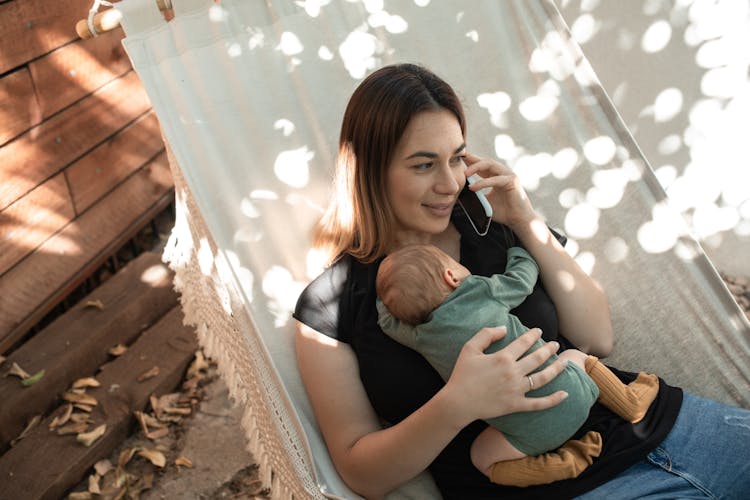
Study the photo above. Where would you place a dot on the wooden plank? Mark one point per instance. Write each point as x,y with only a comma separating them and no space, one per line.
106,166
47,148
76,343
36,284
19,109
31,220
77,69
30,28
44,465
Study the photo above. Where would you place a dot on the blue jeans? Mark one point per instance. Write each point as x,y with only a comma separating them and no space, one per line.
706,455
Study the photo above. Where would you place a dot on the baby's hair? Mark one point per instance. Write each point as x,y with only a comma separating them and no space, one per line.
410,282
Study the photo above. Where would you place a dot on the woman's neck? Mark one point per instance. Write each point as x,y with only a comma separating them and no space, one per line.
449,241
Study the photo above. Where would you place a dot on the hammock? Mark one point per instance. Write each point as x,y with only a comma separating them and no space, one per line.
250,96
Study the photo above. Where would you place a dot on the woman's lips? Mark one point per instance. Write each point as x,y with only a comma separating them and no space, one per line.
439,209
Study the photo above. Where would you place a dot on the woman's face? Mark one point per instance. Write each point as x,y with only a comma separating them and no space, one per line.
426,175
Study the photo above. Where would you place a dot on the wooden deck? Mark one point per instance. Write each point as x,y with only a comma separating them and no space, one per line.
136,308
83,169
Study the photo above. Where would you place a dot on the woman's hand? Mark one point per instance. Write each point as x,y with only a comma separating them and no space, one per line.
489,385
510,204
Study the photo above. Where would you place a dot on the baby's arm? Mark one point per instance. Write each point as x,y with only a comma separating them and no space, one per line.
521,273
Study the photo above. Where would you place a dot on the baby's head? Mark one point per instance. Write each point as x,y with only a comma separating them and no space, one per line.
414,280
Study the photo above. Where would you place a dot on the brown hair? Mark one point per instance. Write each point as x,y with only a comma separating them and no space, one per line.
359,220
410,282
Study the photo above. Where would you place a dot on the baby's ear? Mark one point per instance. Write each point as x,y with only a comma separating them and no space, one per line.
450,278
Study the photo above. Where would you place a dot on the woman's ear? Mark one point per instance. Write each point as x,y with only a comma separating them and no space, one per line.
450,278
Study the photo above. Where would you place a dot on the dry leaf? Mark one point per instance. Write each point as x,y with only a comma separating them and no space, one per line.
17,371
177,411
83,407
85,399
28,382
118,350
2,358
73,428
78,390
86,382
125,456
88,438
103,466
154,456
62,418
94,303
153,372
80,417
183,460
158,433
32,423
94,484
80,495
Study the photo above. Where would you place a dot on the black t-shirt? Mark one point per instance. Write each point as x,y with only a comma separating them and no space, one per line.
340,303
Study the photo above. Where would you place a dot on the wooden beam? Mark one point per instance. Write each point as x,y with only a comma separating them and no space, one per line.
35,285
31,28
44,465
71,72
19,109
76,343
31,220
108,164
47,148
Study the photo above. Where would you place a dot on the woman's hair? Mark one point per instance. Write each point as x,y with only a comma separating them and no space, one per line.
410,282
359,220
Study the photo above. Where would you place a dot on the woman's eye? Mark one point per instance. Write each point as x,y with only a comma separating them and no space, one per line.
457,159
423,166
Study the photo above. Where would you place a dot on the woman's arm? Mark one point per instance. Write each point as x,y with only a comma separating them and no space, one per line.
374,461
581,304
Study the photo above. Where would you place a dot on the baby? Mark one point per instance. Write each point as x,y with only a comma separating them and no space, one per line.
431,303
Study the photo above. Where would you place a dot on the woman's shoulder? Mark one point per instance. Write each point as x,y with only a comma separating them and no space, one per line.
318,304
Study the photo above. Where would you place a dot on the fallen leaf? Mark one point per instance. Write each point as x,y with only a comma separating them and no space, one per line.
154,456
62,418
184,461
17,371
83,407
154,404
103,466
158,433
177,411
94,484
118,350
80,495
125,456
32,423
2,358
73,428
28,382
80,417
86,382
88,438
153,372
85,399
94,303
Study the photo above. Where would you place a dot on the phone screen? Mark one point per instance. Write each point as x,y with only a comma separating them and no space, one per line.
477,209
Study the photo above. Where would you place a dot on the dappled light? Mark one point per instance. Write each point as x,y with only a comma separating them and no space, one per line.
250,97
156,276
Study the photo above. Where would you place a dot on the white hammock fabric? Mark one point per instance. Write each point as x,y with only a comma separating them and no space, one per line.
250,96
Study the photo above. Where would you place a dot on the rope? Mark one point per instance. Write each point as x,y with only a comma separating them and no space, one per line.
92,12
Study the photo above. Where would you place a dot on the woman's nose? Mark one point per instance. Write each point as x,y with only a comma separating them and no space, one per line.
447,182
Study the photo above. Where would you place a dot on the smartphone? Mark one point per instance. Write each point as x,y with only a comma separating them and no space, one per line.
476,207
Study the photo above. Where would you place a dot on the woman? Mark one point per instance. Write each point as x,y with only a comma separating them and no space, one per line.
401,166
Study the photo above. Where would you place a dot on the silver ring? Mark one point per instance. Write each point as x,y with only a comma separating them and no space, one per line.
531,382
